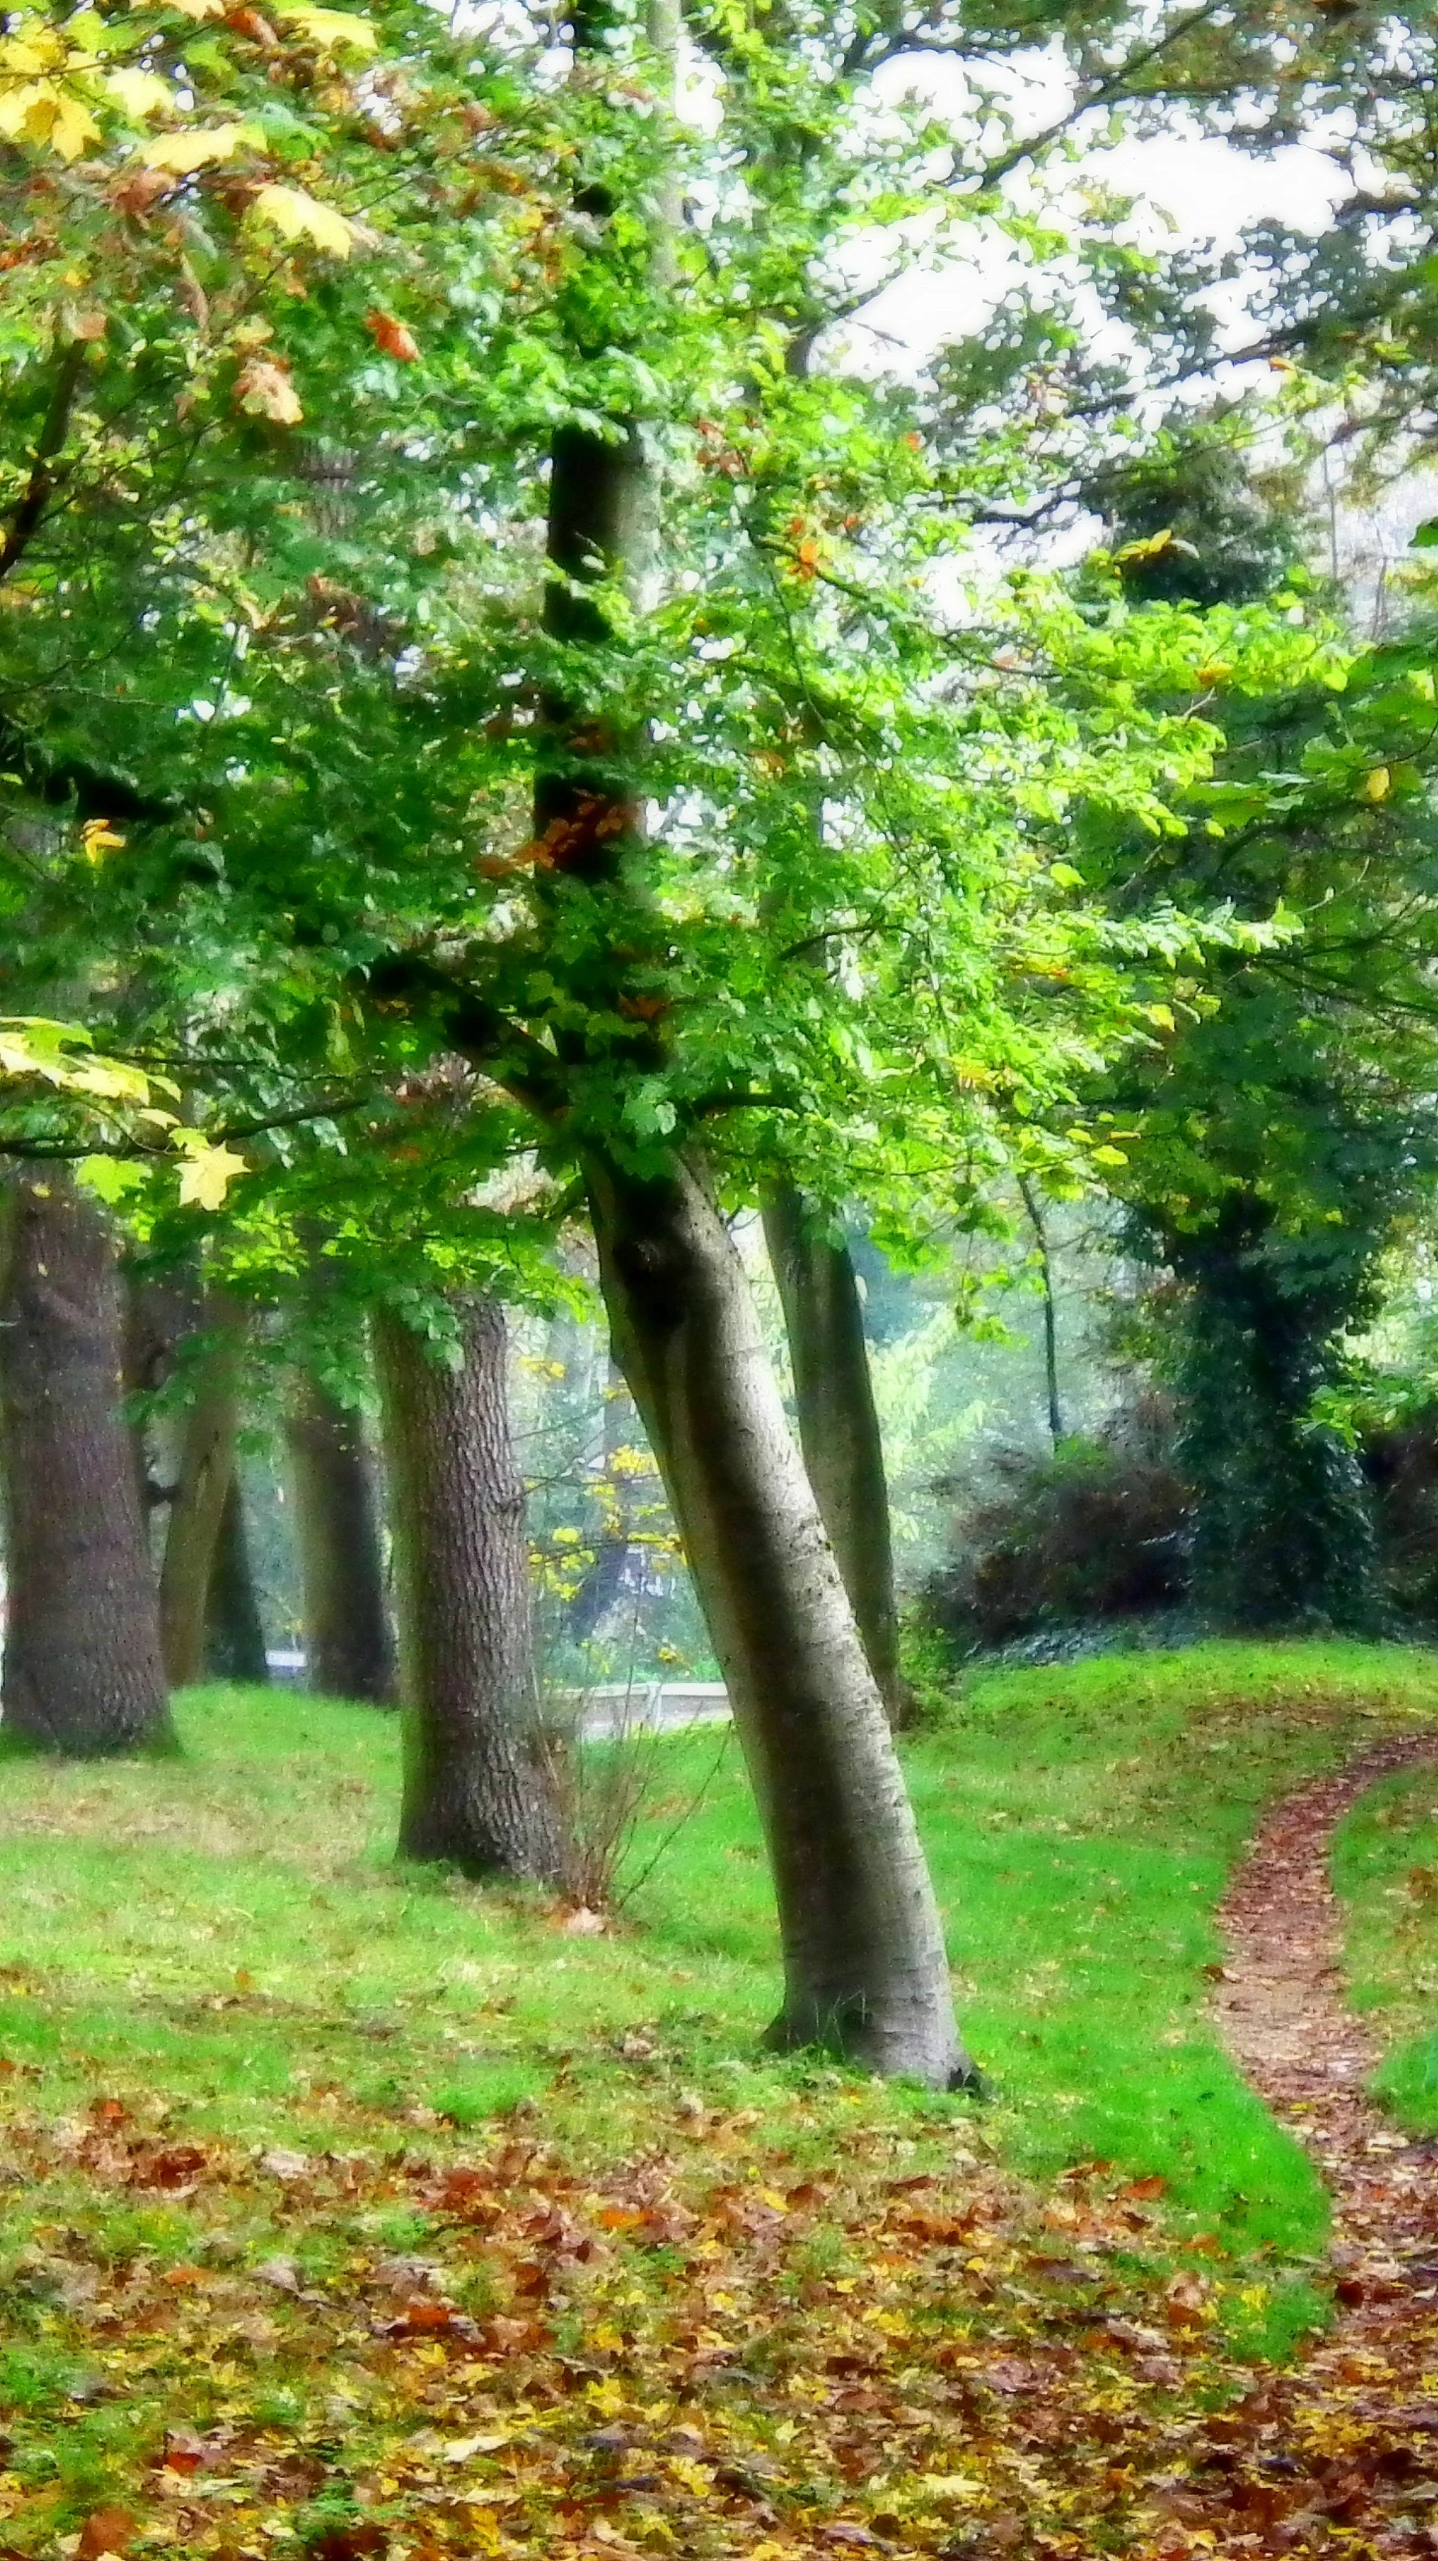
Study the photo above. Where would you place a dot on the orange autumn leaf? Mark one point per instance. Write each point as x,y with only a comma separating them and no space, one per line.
392,338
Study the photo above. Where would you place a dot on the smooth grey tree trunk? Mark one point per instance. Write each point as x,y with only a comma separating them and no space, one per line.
83,1672
349,1646
197,1504
838,1420
865,1968
234,1629
474,1791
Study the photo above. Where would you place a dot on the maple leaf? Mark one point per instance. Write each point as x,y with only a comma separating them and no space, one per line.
298,216
392,338
264,388
208,1172
182,153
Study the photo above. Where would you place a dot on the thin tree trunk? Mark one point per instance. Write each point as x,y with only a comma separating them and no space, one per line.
839,1421
349,1648
83,1671
1046,1291
865,1970
234,1630
604,1581
207,1463
473,1791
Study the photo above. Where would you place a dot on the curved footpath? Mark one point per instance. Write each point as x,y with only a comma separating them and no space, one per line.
1340,2454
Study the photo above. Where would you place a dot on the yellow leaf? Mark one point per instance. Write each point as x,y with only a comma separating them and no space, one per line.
140,93
16,108
1377,785
99,839
330,27
949,2485
182,152
300,217
60,120
208,1173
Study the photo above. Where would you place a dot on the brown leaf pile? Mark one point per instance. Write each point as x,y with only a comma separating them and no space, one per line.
698,2350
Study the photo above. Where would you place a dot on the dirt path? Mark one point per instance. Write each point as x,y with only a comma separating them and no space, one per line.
1342,2453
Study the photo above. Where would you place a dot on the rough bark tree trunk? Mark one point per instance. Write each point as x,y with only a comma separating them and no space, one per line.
207,1463
473,1791
349,1646
234,1630
839,1421
865,1968
83,1672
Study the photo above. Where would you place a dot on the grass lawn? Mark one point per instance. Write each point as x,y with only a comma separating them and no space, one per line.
249,2070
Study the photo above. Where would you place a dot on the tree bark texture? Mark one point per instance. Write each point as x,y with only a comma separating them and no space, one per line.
838,1421
207,1464
234,1629
473,1790
83,1670
349,1647
865,1968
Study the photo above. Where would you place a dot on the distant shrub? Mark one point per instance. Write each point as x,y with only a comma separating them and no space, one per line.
1098,1531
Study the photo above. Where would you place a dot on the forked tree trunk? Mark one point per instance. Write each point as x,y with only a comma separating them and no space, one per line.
865,1969
83,1672
473,1788
234,1630
839,1421
207,1464
349,1649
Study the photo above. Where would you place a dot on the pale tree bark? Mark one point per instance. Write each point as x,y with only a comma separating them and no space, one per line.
197,1503
865,1969
474,1790
838,1420
349,1648
83,1672
234,1630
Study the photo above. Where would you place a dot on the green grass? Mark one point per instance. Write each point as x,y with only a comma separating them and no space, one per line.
225,1936
1385,1869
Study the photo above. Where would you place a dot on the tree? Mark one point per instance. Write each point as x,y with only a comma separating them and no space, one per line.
349,1647
1274,1131
211,1360
747,734
474,1788
838,1419
83,1673
234,1629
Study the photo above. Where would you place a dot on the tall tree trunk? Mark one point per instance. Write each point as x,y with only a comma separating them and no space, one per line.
234,1630
207,1463
865,1970
473,1789
349,1649
83,1671
839,1421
